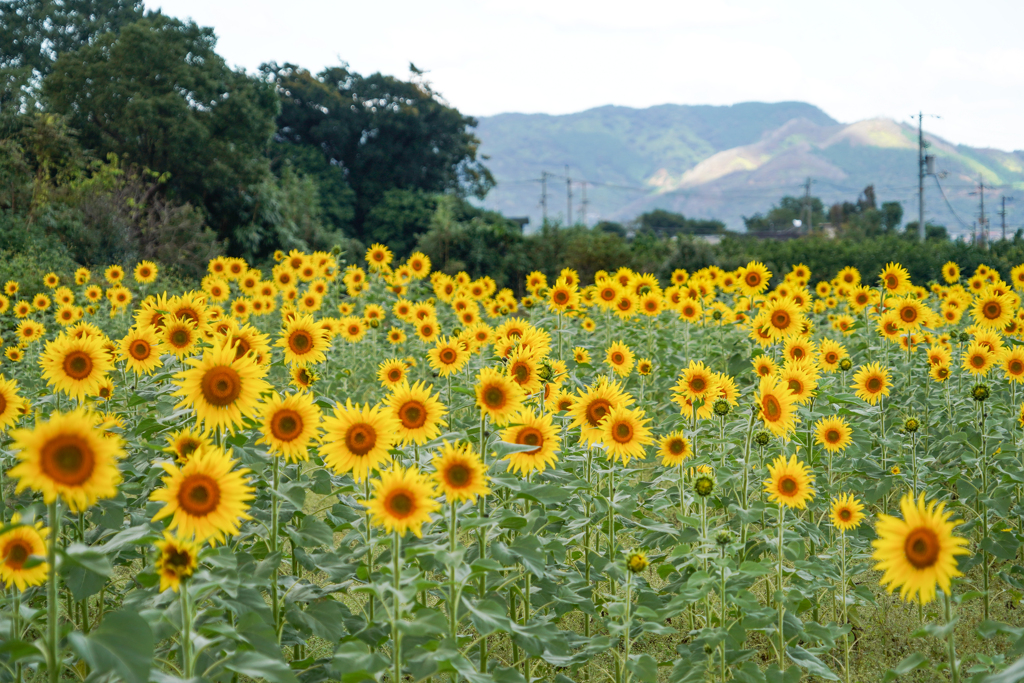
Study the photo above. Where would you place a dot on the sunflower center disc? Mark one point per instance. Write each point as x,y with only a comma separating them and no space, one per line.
530,437
178,558
772,408
457,475
623,432
140,350
413,415
67,460
921,548
179,337
874,385
596,411
287,425
78,365
301,341
199,495
221,386
494,397
400,504
788,486
16,553
361,439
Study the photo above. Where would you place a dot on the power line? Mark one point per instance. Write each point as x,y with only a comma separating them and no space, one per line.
950,206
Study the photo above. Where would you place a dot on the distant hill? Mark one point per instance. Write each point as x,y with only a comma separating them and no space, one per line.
728,162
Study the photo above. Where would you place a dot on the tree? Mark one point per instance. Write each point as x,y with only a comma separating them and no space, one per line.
667,223
33,33
159,96
383,133
780,217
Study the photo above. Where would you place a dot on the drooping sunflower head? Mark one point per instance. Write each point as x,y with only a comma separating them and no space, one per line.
207,498
459,473
847,512
789,483
402,501
918,553
184,442
178,559
68,456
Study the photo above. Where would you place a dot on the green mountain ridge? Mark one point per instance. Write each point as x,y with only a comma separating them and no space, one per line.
728,162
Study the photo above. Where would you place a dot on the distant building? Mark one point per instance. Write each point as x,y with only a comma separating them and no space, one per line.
521,221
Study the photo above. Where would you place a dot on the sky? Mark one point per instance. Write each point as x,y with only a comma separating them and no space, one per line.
961,62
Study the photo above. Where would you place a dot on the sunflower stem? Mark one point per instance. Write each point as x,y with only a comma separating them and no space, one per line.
953,666
275,543
396,612
781,598
842,593
188,666
453,598
54,659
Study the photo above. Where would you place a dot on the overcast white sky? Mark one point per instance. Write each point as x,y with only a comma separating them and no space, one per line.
960,60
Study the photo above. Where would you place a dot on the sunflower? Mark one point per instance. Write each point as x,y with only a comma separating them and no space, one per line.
625,433
145,271
447,356
992,310
918,551
114,274
140,348
41,302
978,358
563,296
798,349
184,442
75,366
179,336
754,278
802,380
764,365
378,256
939,373
789,483
18,544
357,439
776,405
11,287
620,358
497,395
674,449
402,501
178,559
538,431
207,498
303,377
9,403
418,412
288,425
909,311
626,305
68,457
221,388
593,406
303,341
847,512
951,272
427,330
894,279
14,354
459,473
391,372
830,353
833,433
644,367
1012,361
871,382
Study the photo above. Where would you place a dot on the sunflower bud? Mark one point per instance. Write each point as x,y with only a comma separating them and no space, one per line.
845,364
911,425
762,438
980,392
716,315
704,484
723,538
721,407
637,561
963,337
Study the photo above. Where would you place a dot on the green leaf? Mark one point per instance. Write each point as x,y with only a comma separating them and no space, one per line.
644,667
85,570
121,645
258,665
324,619
311,533
815,666
354,663
910,663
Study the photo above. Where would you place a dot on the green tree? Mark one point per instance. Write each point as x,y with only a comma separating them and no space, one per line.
159,96
33,33
667,223
385,134
781,216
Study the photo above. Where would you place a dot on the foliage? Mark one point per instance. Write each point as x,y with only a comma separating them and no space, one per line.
781,216
158,95
667,224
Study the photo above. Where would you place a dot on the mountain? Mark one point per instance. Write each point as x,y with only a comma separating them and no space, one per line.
729,162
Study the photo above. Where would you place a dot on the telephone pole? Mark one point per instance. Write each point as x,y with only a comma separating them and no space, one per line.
583,204
807,205
568,197
924,162
544,197
982,223
1002,213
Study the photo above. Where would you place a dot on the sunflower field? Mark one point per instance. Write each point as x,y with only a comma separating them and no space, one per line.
327,471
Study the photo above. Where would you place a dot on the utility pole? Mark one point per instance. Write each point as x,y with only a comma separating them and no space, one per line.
568,197
807,205
982,234
1002,213
544,197
920,176
583,204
